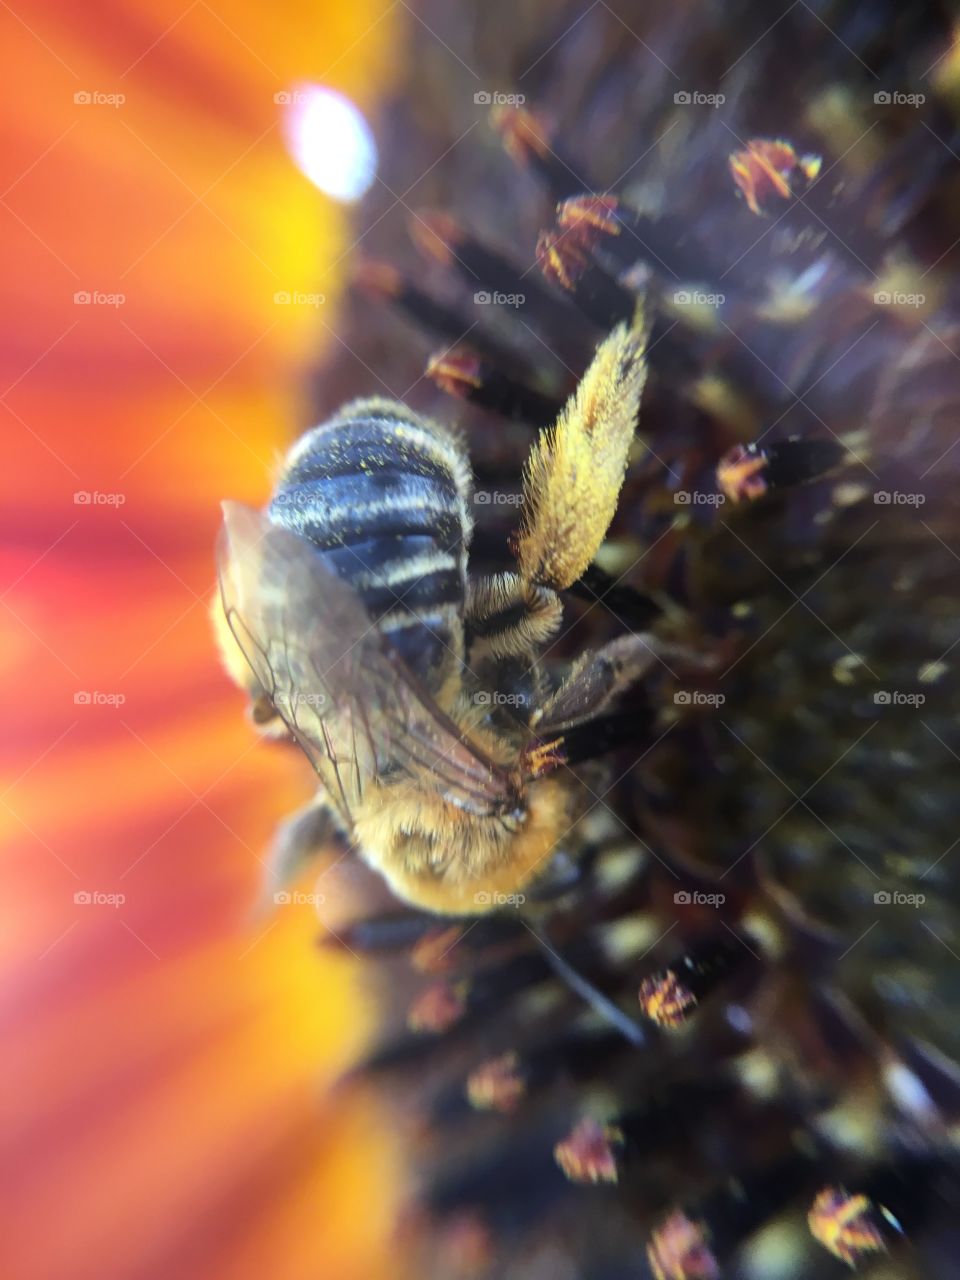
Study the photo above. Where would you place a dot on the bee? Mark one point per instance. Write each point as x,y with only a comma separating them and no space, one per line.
418,693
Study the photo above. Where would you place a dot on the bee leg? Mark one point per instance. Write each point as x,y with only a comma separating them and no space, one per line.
506,616
576,469
296,840
596,682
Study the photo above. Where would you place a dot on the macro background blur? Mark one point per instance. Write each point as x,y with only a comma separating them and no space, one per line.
165,1057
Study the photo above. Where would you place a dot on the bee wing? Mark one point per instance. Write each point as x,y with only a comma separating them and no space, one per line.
345,694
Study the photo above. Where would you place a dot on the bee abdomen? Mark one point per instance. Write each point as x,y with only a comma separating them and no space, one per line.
382,494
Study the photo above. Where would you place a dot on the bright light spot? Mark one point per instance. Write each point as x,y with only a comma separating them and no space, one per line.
330,141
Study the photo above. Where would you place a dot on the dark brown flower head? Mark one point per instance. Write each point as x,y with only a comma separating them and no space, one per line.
783,777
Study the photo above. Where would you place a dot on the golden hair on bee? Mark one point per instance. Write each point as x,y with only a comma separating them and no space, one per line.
573,475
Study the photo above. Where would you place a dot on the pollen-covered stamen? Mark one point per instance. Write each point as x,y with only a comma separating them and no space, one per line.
747,472
665,1000
528,141
590,217
497,1084
562,258
487,272
438,1008
588,1153
467,376
741,473
679,1250
605,225
769,170
566,262
669,996
849,1225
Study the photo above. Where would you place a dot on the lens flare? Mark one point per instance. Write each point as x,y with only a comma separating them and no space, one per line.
330,141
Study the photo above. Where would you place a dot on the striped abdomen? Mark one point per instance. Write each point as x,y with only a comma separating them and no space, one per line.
383,494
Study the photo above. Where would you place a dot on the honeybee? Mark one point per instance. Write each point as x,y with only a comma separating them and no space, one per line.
418,693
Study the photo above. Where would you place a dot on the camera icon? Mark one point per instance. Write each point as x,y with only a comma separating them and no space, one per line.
282,898
83,898
82,698
282,298
682,297
881,898
82,298
481,299
682,699
482,899
882,498
882,698
82,498
483,698
882,298
682,497
481,498
482,98
882,98
83,98
283,98
682,99
682,898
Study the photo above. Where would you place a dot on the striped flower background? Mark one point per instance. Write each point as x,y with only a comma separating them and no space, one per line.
167,1053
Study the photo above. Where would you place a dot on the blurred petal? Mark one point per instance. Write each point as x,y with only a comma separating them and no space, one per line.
164,1085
